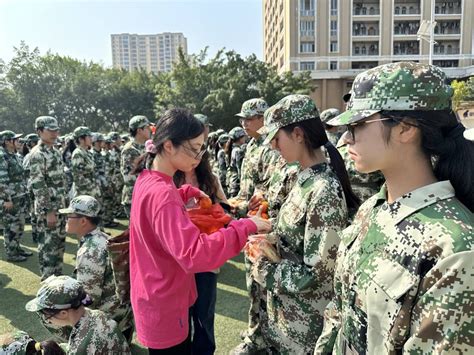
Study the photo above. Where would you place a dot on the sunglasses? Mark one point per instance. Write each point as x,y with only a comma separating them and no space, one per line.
193,153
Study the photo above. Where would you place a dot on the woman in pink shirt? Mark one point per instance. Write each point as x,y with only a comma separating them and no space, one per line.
166,248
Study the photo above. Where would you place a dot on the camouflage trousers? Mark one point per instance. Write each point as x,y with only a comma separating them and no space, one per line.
127,209
117,205
233,183
51,245
257,324
13,226
108,205
33,217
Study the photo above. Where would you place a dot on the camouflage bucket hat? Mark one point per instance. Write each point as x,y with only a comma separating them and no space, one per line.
32,137
7,135
290,109
56,292
203,118
138,122
403,86
469,134
97,137
15,343
236,133
328,114
223,138
82,131
47,122
114,135
84,205
220,131
253,107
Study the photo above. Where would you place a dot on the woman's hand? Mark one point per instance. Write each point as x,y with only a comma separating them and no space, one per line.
255,200
263,225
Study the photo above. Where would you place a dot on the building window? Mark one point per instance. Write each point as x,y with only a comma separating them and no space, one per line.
307,28
307,47
333,47
334,4
307,7
333,65
306,65
333,28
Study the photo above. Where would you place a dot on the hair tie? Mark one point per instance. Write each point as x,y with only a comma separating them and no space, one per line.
86,300
456,131
150,147
38,346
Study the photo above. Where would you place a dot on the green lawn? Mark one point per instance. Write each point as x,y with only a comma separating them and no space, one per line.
20,281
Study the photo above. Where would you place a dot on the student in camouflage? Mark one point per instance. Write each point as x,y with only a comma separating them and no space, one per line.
403,279
32,140
222,161
49,189
140,131
98,141
306,232
62,301
93,265
110,192
333,133
83,165
13,197
21,343
235,155
117,179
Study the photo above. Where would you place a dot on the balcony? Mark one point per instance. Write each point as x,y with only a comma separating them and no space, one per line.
446,63
365,29
363,65
406,28
443,7
365,50
406,48
308,33
446,48
307,13
448,28
366,11
406,9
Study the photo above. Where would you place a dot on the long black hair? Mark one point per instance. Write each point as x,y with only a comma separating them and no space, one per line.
206,179
177,125
442,141
314,138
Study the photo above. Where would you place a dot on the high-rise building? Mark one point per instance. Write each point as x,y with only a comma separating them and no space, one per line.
155,53
336,39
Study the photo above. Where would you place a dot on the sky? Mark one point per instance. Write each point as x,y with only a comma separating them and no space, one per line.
81,28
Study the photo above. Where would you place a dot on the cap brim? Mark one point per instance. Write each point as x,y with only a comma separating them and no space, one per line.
271,135
66,210
18,135
469,134
52,129
33,306
351,116
240,114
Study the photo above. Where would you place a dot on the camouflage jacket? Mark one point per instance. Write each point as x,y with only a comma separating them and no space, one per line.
99,161
301,285
130,153
114,159
234,170
95,333
255,165
403,279
94,271
222,164
47,179
83,173
12,178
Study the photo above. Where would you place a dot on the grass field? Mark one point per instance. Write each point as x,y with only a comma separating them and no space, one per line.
20,281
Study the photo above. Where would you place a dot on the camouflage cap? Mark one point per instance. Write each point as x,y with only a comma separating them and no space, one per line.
84,205
290,109
15,343
47,122
203,118
82,131
328,114
405,86
108,139
7,135
138,122
56,292
236,133
32,137
469,134
253,107
97,137
223,138
220,131
114,135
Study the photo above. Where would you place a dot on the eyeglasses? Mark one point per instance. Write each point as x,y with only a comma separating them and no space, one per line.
244,119
350,134
45,316
74,217
193,153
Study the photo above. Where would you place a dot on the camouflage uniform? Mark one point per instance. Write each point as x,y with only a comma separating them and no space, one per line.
236,158
49,188
222,162
130,153
12,189
94,333
32,137
403,279
110,191
325,116
300,286
117,179
15,343
83,168
94,268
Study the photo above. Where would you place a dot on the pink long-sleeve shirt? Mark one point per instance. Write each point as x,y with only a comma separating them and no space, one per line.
166,249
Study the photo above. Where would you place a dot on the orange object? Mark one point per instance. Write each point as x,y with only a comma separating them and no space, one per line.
209,220
264,205
205,202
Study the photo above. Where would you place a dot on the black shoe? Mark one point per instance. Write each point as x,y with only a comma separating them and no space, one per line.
111,225
16,258
24,252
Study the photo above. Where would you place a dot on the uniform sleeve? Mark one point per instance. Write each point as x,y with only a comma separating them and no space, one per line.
79,169
324,219
38,183
442,316
127,165
4,180
332,324
91,263
193,250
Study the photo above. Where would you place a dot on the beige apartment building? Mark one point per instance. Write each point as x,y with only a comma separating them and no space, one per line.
336,39
155,53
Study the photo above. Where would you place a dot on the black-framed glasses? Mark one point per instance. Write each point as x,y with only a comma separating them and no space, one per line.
350,134
193,153
45,316
244,119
